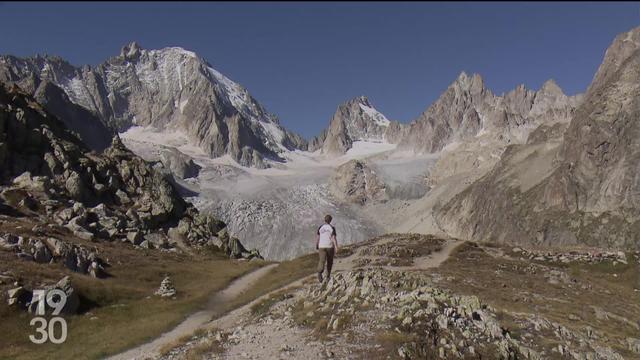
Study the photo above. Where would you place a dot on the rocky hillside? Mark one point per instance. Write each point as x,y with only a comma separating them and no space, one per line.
47,172
580,188
169,89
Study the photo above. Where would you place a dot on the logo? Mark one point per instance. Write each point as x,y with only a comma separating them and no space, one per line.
47,329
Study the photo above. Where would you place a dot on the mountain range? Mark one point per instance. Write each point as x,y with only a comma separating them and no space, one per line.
529,166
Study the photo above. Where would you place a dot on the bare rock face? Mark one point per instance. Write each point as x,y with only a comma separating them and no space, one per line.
169,89
454,114
88,127
357,183
317,142
580,188
355,120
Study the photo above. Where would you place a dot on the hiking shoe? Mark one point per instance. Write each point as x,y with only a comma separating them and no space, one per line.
320,277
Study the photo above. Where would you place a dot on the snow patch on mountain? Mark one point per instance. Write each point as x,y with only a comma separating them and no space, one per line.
374,114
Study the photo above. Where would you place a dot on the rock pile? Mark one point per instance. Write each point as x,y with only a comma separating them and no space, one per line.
166,288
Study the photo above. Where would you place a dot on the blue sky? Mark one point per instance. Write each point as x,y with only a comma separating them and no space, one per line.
301,60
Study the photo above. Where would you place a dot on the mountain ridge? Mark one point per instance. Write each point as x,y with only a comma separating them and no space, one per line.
166,88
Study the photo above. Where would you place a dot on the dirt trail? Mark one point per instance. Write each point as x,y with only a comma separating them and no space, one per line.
421,263
266,340
196,320
230,320
344,264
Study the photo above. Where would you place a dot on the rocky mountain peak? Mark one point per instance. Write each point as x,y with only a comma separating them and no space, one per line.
130,51
171,89
363,100
467,108
473,83
551,87
354,120
623,47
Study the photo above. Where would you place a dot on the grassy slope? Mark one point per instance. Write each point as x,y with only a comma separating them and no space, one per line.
505,285
120,311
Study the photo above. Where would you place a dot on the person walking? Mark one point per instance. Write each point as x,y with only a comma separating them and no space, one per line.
327,246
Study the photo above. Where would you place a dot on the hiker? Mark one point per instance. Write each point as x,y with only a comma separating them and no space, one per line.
327,246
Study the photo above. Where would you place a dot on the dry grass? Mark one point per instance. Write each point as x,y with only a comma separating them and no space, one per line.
517,286
119,312
278,277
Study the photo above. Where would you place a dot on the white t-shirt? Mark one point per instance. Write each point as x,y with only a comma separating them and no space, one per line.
325,231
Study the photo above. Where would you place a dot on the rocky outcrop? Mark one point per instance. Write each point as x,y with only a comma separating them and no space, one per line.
584,188
355,120
357,183
170,89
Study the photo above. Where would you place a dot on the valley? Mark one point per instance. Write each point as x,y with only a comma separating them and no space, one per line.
491,226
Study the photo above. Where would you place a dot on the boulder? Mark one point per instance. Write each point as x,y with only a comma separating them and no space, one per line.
134,237
146,245
157,240
75,186
18,296
58,247
122,197
96,270
41,253
35,183
73,299
9,242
